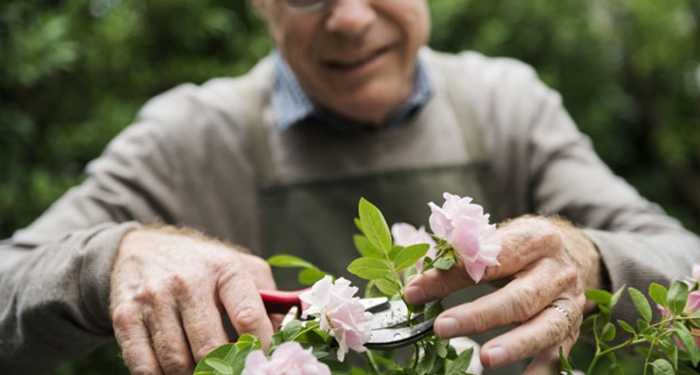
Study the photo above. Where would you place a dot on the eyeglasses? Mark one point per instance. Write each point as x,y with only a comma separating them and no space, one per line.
306,5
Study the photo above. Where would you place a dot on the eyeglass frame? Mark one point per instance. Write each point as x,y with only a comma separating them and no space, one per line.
318,5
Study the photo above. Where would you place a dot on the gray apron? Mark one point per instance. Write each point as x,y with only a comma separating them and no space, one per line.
313,218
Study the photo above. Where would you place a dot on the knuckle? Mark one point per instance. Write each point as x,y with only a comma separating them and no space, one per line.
203,350
176,364
124,316
558,326
181,284
527,302
247,316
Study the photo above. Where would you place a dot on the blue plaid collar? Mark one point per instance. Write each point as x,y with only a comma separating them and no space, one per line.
291,104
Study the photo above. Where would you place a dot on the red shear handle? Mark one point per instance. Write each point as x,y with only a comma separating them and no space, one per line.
280,301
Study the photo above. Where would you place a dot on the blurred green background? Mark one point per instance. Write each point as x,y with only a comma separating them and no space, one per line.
73,73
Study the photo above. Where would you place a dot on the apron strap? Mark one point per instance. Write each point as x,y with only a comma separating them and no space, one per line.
448,68
251,98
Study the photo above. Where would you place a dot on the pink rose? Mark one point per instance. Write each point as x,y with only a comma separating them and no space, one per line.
341,313
467,228
288,359
407,235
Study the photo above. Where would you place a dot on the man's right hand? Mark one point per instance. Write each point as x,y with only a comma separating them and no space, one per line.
168,291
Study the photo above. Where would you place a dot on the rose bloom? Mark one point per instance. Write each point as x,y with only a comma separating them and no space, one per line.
341,313
288,359
407,235
467,228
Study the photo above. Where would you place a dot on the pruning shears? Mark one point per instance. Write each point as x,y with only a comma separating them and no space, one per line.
392,325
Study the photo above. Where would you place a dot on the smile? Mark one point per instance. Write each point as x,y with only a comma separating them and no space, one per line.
353,63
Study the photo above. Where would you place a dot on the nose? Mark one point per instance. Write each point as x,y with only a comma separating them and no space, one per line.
351,17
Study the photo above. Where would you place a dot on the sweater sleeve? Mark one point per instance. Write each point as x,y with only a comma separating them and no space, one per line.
544,164
184,161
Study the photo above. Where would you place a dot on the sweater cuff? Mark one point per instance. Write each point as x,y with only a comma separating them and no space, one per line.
100,246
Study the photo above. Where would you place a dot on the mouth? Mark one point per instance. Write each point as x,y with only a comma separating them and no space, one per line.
355,62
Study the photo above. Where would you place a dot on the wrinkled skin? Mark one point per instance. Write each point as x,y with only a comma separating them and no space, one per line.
546,261
168,292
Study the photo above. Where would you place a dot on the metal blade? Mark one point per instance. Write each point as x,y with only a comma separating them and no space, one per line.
391,338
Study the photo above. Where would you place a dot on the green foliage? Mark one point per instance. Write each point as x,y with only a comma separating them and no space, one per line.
664,345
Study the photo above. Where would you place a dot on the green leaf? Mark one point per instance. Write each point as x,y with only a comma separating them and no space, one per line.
408,256
695,319
460,365
683,333
677,296
395,250
616,297
615,369
612,357
642,325
658,294
441,348
626,326
565,365
288,261
608,332
640,303
602,297
662,367
309,276
374,226
358,224
369,268
219,366
387,286
669,348
366,248
444,263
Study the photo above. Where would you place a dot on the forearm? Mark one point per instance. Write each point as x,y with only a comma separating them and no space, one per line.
54,298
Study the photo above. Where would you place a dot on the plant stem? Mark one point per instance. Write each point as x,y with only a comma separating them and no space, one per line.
372,362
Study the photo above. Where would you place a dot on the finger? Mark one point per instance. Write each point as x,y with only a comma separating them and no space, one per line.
202,323
260,272
522,245
135,342
435,284
516,302
168,338
539,337
245,308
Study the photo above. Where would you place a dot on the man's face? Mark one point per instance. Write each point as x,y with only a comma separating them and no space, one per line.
354,57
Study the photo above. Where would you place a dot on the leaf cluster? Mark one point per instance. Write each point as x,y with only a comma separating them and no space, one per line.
668,345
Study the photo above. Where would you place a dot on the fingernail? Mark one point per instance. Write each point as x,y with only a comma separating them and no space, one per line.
497,356
413,294
447,328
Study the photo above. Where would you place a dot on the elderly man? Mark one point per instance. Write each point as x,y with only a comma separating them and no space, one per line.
350,104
